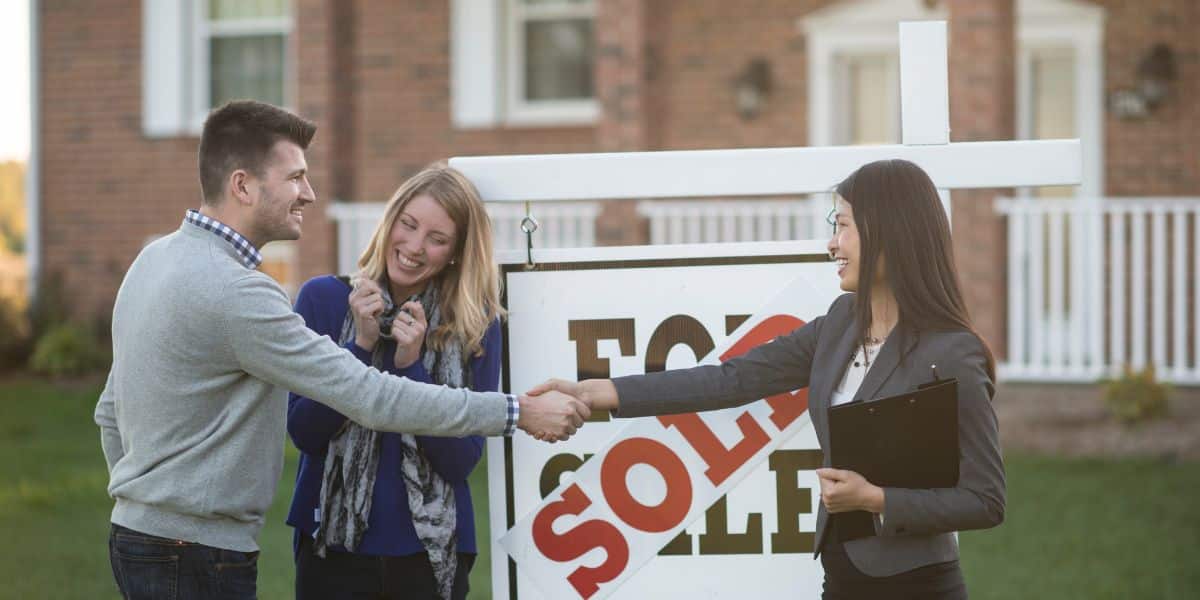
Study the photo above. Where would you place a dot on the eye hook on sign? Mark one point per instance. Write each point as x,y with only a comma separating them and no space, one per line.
529,225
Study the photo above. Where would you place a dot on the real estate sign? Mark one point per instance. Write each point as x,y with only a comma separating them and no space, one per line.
718,504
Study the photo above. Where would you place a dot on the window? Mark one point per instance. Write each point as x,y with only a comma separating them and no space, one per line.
522,62
551,53
279,262
868,110
229,49
854,69
1051,111
242,51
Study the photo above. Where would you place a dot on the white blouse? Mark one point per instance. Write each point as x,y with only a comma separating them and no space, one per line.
864,357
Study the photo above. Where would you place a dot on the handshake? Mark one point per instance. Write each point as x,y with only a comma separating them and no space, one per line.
555,409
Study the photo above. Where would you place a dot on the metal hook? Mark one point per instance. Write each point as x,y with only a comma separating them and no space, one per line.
529,225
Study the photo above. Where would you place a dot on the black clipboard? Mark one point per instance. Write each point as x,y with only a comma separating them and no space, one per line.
909,440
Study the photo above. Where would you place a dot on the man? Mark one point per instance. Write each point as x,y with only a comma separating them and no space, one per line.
205,348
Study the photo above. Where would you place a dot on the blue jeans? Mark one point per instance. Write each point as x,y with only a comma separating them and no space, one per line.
148,566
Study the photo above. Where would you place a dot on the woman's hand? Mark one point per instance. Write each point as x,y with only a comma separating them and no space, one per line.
844,491
597,394
366,304
409,332
600,394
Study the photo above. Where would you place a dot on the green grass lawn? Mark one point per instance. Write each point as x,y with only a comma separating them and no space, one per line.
1074,528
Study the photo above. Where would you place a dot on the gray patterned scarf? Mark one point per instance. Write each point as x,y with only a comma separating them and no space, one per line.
353,456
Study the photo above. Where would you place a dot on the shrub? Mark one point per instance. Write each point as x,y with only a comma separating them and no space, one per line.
68,349
1136,396
50,308
16,341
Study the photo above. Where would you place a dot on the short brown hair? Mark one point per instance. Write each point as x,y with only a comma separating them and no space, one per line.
240,135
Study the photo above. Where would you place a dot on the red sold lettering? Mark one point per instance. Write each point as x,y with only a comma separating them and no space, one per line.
785,407
655,519
579,540
722,462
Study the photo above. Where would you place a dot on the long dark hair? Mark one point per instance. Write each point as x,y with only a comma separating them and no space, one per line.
899,216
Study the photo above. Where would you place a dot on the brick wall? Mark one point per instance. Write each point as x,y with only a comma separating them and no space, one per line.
376,78
982,92
1159,155
104,187
699,47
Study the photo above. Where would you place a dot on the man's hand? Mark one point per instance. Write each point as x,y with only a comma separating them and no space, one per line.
600,394
844,491
552,416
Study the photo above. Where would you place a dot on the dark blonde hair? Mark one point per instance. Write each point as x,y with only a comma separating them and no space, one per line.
470,288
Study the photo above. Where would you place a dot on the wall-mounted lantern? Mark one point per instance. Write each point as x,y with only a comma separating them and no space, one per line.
1155,73
751,88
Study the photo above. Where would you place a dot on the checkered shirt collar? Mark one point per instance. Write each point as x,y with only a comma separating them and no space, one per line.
247,253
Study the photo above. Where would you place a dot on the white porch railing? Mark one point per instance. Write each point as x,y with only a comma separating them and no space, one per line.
1096,284
703,221
561,225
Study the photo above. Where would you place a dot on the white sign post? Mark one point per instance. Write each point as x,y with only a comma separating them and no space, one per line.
619,311
776,171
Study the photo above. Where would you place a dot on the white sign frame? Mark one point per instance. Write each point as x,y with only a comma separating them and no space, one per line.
501,452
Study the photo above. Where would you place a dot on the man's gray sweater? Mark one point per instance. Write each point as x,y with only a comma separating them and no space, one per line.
193,416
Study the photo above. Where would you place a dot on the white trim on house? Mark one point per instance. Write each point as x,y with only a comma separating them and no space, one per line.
849,28
165,84
203,30
869,26
856,27
33,167
519,110
176,81
1078,27
475,63
486,67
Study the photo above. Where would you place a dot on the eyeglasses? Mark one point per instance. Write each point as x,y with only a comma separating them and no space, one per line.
831,218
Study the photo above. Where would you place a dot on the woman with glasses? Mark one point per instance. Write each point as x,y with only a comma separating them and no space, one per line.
903,312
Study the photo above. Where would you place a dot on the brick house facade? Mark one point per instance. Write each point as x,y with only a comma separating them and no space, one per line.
377,78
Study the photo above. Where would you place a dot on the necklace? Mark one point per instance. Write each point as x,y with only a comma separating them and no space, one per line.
868,346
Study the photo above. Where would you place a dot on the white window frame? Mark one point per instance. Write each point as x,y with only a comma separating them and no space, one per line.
870,25
204,30
867,27
519,110
847,30
1077,27
840,135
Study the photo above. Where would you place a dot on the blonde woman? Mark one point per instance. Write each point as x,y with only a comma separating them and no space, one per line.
385,515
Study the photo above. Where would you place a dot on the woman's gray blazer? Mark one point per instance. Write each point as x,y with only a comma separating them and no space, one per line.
919,523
